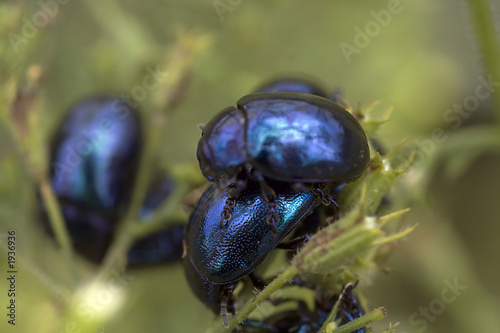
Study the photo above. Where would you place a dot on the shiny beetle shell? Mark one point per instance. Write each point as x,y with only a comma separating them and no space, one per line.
95,154
226,255
206,291
163,246
290,137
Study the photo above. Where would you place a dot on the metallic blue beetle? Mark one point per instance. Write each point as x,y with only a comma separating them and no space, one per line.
226,255
286,136
92,232
206,291
290,137
94,157
95,154
300,85
165,245
350,308
215,259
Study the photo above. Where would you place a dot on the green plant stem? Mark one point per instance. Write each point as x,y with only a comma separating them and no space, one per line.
58,225
132,230
31,143
169,212
484,25
181,60
251,305
333,314
144,173
358,323
118,249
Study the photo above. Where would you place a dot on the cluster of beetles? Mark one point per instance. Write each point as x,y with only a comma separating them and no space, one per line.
275,163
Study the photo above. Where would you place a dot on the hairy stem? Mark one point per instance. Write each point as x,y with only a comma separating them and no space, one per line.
251,305
57,224
358,323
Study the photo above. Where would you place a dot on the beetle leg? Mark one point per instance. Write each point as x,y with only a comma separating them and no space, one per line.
227,212
226,302
272,216
269,195
232,195
327,199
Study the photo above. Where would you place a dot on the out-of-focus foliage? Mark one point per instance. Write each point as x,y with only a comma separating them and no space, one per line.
422,60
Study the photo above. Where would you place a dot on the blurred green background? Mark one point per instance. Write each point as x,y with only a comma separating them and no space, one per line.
422,62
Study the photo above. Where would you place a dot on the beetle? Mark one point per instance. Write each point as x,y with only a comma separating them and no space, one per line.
227,255
163,246
289,137
218,297
302,320
91,232
216,259
161,185
350,307
300,85
285,136
307,86
95,155
291,84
